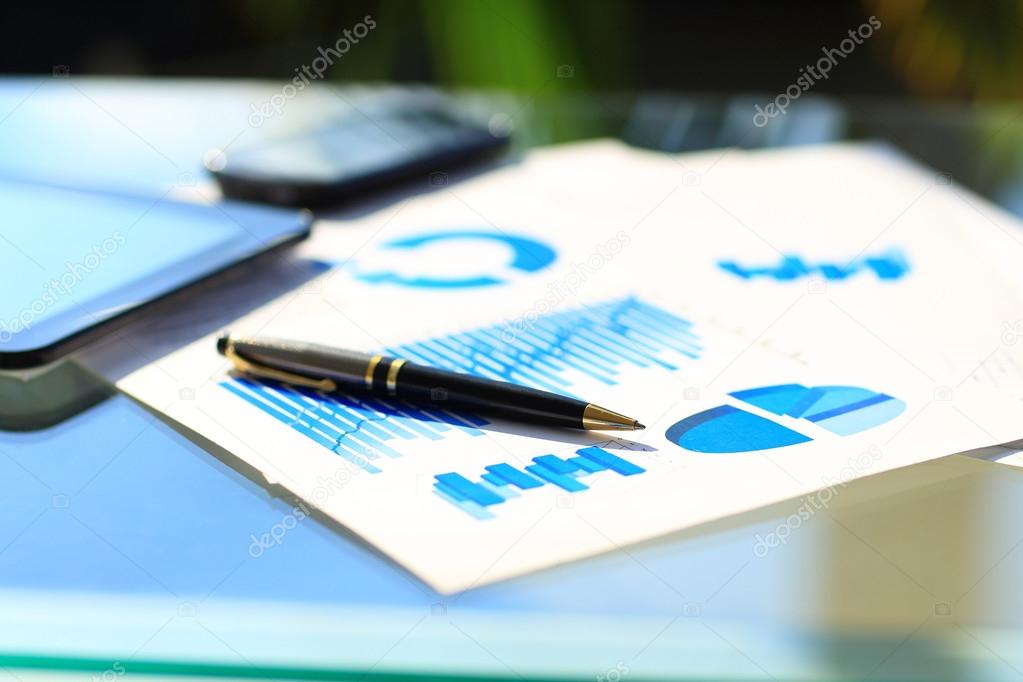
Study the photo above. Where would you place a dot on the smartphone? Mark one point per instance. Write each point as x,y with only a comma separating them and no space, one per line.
355,155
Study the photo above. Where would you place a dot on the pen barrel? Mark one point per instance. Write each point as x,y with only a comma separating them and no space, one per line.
331,369
447,390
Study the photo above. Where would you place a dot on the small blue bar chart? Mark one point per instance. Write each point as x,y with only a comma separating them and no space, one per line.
887,266
550,353
502,482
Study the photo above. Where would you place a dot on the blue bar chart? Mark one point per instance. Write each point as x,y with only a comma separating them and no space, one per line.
502,482
359,429
595,341
552,352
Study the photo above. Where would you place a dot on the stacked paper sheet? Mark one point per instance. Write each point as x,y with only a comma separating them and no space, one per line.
782,321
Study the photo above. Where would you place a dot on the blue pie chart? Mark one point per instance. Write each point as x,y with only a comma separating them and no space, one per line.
842,410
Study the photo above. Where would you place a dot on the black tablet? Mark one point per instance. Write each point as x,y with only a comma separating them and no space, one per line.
74,261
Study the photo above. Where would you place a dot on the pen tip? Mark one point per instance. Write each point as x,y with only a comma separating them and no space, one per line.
602,419
222,343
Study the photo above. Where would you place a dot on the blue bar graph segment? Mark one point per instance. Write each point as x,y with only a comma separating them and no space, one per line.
501,481
359,430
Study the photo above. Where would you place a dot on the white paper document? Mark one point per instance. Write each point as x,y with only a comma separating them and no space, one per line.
782,322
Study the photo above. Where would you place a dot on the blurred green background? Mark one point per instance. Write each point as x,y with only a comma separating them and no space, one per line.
960,49
938,78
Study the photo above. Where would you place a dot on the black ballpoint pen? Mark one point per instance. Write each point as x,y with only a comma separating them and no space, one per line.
332,370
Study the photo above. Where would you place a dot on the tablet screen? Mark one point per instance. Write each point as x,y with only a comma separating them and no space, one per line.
72,259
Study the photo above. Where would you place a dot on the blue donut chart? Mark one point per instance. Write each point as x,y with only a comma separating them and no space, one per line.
526,255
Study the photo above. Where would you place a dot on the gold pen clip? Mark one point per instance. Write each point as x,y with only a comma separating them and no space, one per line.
249,367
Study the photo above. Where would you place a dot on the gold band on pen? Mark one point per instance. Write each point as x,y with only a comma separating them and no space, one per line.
370,368
392,376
